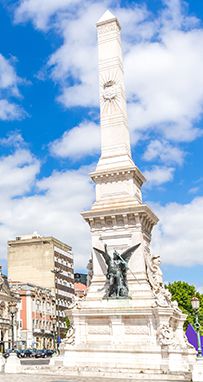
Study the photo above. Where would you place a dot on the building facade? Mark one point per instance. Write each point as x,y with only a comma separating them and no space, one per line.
37,322
9,323
48,263
80,289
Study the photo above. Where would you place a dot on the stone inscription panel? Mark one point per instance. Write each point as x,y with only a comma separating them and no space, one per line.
98,326
136,326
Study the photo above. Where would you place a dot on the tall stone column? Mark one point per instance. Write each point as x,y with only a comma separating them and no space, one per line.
115,141
117,218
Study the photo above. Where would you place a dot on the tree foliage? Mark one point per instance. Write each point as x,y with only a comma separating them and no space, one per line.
68,323
183,292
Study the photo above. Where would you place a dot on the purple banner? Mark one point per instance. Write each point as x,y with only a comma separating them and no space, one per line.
192,337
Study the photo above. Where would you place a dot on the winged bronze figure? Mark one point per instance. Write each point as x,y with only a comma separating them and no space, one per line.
116,274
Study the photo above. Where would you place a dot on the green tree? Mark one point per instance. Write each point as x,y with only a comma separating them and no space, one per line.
68,323
183,292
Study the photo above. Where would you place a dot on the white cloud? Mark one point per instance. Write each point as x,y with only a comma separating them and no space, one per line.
55,205
178,236
194,190
10,111
41,11
174,15
158,175
14,139
17,173
77,59
8,77
79,141
9,82
164,151
50,206
164,78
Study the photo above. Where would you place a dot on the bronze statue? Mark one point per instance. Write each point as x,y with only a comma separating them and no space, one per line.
117,267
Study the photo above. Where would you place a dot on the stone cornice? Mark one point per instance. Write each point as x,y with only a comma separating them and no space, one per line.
118,172
139,215
137,209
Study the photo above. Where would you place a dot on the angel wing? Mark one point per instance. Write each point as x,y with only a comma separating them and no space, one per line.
126,255
105,254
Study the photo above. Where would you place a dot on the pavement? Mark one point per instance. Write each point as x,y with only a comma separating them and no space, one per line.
51,378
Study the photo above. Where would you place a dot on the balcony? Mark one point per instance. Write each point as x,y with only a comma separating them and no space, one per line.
37,330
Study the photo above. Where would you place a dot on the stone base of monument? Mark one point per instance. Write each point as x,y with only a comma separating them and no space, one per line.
12,364
2,363
117,337
197,374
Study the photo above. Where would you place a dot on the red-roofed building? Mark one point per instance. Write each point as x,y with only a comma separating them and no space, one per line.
80,289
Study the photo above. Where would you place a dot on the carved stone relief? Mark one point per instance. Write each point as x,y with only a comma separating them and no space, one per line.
155,278
75,303
109,90
107,28
69,339
165,335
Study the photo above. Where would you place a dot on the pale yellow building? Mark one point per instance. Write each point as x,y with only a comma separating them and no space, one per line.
46,262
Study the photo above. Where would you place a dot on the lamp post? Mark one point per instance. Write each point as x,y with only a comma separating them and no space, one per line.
54,332
13,310
57,272
195,307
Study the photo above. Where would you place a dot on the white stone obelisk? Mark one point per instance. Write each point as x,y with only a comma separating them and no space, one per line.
115,141
140,336
117,217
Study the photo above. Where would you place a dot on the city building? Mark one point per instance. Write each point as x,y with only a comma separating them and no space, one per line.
80,289
80,284
37,309
48,263
80,278
9,323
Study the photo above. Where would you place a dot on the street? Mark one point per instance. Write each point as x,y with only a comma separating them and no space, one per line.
35,361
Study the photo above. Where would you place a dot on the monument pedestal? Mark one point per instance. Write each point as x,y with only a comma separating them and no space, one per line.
118,337
12,365
2,363
197,375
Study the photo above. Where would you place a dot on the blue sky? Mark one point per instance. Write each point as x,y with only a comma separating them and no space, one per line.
49,119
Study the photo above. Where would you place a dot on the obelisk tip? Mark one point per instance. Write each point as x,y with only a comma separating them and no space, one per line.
106,18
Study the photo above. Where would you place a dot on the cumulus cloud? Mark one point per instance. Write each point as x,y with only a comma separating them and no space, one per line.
17,173
50,206
9,82
41,11
178,235
77,59
82,140
164,151
158,175
54,206
163,78
13,139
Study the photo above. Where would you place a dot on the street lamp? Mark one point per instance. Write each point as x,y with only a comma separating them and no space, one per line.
13,310
57,272
195,307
